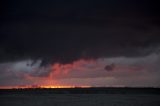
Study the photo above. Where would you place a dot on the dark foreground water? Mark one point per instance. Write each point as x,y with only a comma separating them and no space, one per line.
48,98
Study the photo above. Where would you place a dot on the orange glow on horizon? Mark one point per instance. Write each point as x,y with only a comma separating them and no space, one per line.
57,71
43,86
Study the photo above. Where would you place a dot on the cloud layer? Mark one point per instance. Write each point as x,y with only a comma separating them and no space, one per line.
126,71
59,31
95,42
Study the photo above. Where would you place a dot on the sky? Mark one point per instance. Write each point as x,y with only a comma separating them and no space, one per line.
80,42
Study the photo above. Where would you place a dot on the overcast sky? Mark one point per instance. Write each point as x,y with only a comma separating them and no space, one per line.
81,42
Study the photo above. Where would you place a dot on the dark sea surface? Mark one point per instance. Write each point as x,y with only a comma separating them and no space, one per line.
81,97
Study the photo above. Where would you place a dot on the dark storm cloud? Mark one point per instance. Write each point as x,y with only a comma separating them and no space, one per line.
60,31
110,67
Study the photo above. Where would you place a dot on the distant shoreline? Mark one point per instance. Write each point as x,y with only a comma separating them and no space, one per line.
78,90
